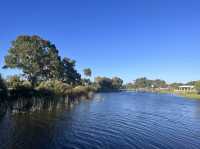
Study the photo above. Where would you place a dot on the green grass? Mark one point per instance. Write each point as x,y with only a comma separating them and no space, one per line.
191,95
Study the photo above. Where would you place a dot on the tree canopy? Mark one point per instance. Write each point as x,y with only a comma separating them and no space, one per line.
40,61
106,84
87,72
70,74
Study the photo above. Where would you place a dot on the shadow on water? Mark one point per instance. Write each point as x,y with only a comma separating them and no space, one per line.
3,109
110,120
33,104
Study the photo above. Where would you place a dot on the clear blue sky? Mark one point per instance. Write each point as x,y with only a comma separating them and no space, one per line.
126,38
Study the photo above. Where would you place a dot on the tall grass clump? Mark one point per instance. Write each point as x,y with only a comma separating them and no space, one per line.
56,87
83,90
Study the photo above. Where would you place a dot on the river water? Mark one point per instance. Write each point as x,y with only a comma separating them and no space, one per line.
125,120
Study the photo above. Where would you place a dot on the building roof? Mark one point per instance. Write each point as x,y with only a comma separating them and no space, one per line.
186,86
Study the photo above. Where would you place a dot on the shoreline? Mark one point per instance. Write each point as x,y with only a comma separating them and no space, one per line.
189,95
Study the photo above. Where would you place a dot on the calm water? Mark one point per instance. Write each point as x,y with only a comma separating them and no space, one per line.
110,120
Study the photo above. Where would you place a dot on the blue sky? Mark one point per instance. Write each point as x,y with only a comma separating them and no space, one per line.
126,38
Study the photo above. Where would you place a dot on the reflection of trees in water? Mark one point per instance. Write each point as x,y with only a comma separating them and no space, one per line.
197,109
3,109
38,121
37,104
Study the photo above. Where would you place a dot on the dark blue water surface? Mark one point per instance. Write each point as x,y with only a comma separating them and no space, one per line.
124,120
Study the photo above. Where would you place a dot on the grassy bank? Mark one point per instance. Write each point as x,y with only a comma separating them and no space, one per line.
191,95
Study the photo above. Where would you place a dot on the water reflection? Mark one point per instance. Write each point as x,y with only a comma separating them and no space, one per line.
110,120
24,105
3,109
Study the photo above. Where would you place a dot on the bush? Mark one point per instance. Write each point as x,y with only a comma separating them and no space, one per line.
197,87
82,90
55,86
15,83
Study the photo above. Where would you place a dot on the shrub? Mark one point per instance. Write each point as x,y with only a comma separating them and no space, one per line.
15,83
82,90
197,87
55,86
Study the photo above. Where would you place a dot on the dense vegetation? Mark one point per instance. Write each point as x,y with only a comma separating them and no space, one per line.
39,61
45,72
161,86
146,83
107,84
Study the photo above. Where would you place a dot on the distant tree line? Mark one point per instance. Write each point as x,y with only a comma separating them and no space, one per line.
146,83
143,82
108,84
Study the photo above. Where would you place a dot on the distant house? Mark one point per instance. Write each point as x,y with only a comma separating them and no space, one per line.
186,88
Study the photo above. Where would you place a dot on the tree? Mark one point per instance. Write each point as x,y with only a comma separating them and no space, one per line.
103,83
191,83
117,82
107,84
69,73
176,85
159,83
87,72
36,57
146,83
142,83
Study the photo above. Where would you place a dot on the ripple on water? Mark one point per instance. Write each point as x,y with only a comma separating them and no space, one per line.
111,120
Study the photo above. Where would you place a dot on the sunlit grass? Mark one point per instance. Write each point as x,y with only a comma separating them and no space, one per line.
191,95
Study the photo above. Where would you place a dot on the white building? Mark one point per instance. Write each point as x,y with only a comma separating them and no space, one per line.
186,88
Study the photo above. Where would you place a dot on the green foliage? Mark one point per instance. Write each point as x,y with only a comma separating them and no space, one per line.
158,83
15,82
83,90
69,73
191,83
197,86
146,83
103,83
39,60
86,82
55,86
87,72
130,86
142,83
36,57
117,83
176,85
107,84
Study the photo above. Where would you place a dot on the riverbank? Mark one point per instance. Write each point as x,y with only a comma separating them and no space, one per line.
190,95
46,92
31,100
